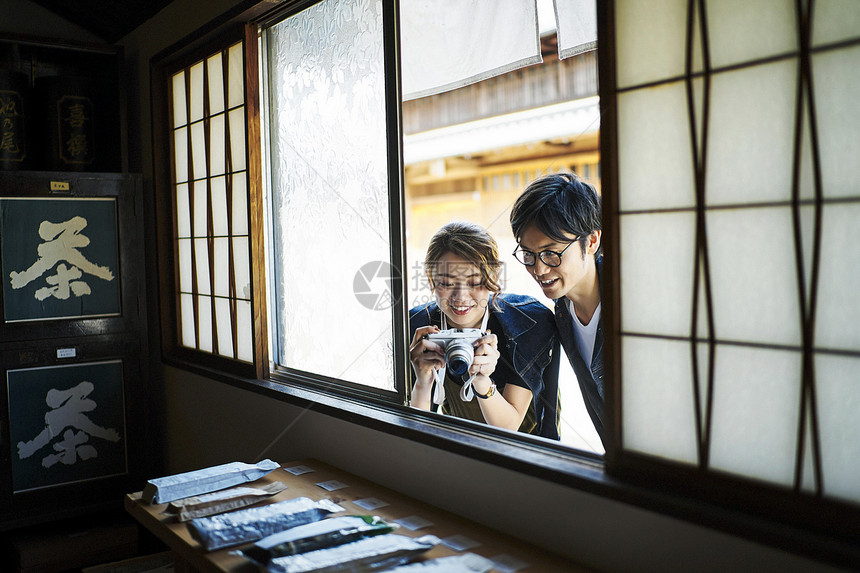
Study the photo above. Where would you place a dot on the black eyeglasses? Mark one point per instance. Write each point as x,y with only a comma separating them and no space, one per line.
549,258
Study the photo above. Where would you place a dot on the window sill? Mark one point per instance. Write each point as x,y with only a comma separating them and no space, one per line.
537,458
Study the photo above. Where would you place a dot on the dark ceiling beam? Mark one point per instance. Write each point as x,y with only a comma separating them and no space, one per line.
111,20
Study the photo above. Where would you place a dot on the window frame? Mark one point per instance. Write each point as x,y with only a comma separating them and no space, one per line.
163,66
805,525
396,216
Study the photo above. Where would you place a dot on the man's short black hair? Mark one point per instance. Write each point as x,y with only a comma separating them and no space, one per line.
560,204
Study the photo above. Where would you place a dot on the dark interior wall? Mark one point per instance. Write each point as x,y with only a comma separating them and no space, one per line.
207,422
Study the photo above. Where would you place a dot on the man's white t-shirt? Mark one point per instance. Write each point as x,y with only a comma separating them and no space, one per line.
576,428
585,334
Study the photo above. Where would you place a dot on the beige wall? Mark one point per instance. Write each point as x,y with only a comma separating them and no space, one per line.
208,422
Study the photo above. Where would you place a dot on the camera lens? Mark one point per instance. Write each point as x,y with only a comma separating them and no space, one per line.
459,356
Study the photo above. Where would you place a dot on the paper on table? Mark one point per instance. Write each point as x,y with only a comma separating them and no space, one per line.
371,554
224,500
508,564
317,535
256,523
370,503
459,542
413,522
466,563
207,480
332,485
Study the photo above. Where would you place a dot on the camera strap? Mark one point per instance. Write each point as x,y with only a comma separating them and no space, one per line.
466,391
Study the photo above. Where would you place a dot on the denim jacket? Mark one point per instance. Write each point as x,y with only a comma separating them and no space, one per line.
589,376
528,333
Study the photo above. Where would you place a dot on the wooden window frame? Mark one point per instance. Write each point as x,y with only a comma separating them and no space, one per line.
164,65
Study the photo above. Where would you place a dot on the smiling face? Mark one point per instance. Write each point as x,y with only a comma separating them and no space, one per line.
460,291
577,273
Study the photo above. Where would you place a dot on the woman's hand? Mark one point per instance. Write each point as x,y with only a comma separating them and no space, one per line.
426,358
484,364
504,409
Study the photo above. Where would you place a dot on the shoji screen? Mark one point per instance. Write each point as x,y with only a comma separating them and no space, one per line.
211,194
738,142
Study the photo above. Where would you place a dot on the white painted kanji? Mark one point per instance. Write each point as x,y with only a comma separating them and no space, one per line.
67,414
62,241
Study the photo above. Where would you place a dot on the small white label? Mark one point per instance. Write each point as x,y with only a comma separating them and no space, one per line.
508,564
299,470
459,542
66,352
370,503
413,522
332,485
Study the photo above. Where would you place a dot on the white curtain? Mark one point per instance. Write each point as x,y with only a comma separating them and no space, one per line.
576,22
448,44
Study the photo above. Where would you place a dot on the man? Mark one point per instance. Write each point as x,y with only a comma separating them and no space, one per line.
553,214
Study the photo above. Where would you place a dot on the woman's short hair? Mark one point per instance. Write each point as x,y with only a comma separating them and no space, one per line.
470,242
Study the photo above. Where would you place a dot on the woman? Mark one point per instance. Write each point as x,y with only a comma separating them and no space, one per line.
513,381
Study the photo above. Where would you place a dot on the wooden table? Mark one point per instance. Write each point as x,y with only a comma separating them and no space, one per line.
501,548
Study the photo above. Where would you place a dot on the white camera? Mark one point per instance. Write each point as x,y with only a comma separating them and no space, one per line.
457,344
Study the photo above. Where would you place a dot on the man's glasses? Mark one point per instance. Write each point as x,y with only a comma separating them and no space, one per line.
549,258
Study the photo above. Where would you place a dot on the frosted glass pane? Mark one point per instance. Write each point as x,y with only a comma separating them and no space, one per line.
185,268
237,139
183,212
838,401
196,75
656,290
180,154
835,20
220,258
657,400
242,267
245,328
223,325
201,259
654,138
330,190
217,145
742,31
204,322
751,134
180,116
837,107
186,320
236,76
240,204
650,39
755,413
837,322
753,276
218,194
216,84
198,151
201,208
